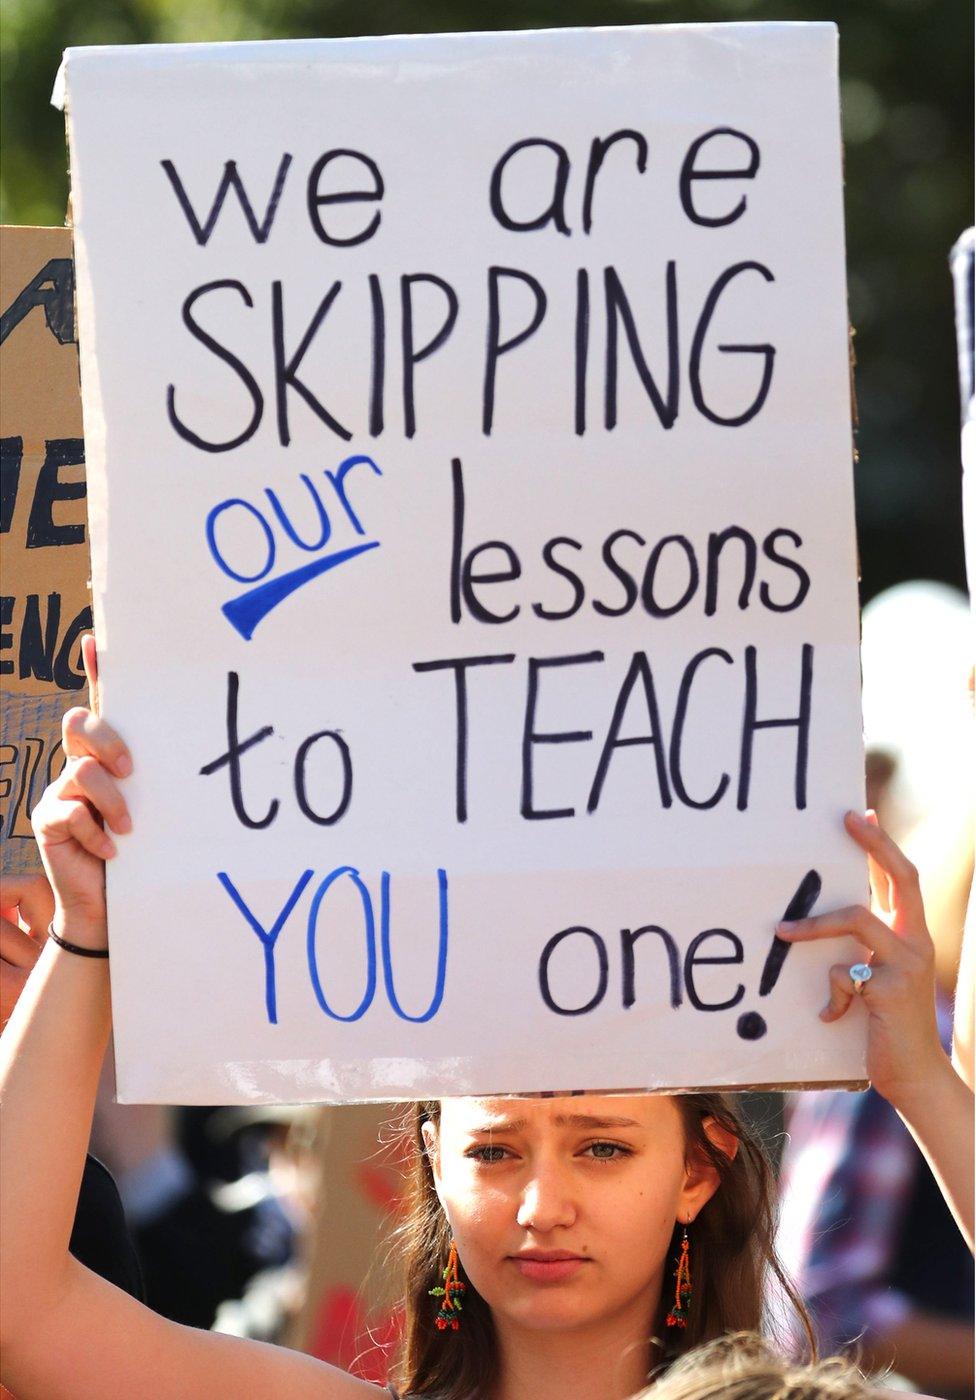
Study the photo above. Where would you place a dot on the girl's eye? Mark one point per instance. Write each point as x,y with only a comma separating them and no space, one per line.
486,1154
608,1151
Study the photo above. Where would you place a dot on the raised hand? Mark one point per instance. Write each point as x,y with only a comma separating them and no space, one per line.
899,997
68,820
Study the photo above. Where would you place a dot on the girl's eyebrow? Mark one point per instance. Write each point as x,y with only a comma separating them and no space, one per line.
562,1120
503,1125
585,1120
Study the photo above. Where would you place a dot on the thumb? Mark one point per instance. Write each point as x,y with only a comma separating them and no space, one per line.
89,655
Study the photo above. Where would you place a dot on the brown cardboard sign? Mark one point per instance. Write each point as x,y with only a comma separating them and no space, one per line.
45,602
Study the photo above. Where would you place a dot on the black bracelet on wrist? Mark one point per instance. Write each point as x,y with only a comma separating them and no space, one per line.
74,948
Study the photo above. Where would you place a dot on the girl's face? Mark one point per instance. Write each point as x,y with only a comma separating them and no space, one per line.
563,1208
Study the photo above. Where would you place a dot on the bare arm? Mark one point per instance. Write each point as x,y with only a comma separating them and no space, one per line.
941,1118
66,1332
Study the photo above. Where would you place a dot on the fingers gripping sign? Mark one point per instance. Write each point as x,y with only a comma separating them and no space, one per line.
71,818
85,733
898,989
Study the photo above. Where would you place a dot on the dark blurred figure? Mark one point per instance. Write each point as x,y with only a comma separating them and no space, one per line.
216,1223
209,1226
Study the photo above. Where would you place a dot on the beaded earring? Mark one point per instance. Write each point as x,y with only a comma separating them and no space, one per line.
678,1316
450,1294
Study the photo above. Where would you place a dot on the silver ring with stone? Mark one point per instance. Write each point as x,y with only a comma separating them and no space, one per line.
859,974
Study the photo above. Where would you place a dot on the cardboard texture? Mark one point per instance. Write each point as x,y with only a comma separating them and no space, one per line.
46,602
485,491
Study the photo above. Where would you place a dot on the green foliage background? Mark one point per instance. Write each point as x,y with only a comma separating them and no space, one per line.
907,99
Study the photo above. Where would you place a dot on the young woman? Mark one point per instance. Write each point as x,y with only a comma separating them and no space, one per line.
568,1214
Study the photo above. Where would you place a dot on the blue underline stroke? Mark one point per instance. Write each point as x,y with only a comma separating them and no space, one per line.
245,612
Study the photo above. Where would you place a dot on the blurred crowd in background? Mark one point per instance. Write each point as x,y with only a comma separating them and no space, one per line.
227,1206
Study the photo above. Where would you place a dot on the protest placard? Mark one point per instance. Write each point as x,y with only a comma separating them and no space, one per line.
470,491
45,604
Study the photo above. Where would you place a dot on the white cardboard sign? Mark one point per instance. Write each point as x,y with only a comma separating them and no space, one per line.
469,458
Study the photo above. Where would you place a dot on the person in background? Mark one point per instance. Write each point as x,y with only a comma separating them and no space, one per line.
741,1366
203,1210
22,935
864,1228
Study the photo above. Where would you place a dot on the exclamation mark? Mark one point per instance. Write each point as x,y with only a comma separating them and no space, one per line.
750,1024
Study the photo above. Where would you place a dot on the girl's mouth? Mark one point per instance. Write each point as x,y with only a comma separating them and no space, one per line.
548,1265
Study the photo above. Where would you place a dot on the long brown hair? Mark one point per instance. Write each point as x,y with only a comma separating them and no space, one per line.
733,1256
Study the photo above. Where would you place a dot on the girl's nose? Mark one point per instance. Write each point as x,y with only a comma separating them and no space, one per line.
547,1200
